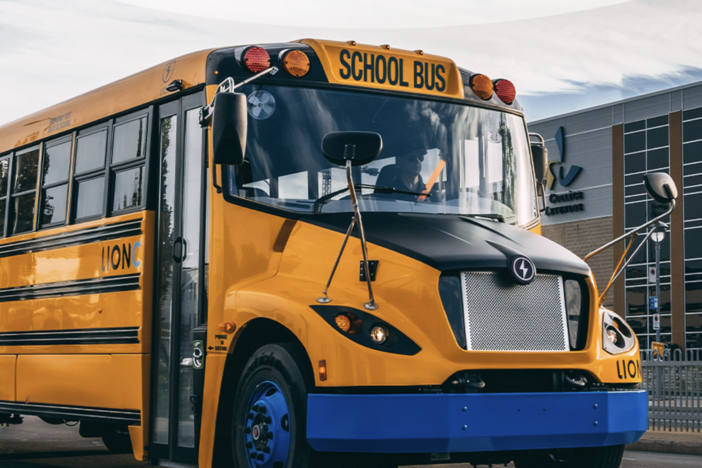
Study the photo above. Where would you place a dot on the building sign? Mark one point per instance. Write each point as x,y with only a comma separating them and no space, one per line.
556,168
557,198
557,173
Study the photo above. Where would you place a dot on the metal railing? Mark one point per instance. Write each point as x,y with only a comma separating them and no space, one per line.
674,388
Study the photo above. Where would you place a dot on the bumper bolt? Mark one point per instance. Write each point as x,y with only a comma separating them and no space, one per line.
594,406
465,408
595,423
465,427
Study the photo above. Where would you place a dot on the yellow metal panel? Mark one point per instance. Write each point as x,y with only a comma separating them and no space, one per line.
386,68
80,380
214,369
7,377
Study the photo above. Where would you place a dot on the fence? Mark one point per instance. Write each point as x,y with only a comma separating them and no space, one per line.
674,387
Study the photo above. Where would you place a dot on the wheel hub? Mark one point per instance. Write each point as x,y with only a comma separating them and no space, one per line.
267,427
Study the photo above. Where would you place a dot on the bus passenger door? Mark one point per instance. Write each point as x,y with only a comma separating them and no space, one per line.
179,289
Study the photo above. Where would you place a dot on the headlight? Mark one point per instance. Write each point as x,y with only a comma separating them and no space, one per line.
617,335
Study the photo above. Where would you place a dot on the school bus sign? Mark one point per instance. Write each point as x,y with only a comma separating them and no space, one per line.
385,68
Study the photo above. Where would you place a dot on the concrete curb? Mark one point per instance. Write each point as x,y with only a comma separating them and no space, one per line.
652,444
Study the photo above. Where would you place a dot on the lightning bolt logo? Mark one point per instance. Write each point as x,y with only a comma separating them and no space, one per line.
524,269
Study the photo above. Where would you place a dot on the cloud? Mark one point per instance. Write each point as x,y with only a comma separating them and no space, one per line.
51,51
373,13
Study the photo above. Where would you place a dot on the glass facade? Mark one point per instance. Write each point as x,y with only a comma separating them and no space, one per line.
646,149
692,214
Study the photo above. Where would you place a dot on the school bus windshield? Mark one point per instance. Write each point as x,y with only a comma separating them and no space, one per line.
466,159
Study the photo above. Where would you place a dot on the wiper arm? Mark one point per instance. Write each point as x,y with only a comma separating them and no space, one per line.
493,216
325,198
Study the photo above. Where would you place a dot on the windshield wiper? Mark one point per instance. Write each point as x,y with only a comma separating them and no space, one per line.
376,189
492,216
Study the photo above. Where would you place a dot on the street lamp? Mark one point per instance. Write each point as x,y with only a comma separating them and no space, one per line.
658,235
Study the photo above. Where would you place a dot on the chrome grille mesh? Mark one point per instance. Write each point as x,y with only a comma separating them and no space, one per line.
503,316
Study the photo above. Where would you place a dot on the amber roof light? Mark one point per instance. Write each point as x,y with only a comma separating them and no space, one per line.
296,63
482,86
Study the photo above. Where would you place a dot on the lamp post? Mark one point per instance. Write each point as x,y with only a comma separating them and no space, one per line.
658,236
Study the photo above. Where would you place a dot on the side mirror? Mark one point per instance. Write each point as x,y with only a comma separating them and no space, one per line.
661,187
358,147
229,124
540,155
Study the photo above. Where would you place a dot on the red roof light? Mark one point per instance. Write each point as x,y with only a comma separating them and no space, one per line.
505,91
257,59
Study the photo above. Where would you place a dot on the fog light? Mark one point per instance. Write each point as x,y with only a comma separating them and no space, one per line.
379,334
612,335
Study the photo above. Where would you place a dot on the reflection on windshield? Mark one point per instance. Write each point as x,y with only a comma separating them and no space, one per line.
465,160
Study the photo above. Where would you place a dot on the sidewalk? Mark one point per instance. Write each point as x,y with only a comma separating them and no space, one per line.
689,443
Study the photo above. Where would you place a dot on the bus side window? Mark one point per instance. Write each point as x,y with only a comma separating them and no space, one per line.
4,184
128,157
90,173
24,190
56,168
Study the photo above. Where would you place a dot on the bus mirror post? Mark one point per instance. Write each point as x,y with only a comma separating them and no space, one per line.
229,126
540,157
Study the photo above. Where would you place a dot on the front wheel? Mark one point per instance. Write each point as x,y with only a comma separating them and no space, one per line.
590,457
270,410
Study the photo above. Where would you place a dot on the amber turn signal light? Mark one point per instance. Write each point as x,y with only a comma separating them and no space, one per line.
343,321
296,63
322,370
227,327
482,86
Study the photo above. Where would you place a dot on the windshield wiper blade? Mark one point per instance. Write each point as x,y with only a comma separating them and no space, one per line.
492,216
377,189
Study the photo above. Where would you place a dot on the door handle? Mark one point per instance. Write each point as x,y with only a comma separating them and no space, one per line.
178,250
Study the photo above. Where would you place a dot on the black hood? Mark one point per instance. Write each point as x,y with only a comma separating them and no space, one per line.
448,242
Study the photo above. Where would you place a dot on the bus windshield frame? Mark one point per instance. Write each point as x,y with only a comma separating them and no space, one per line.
467,160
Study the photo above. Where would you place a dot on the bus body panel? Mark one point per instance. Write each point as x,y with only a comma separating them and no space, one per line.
95,381
8,367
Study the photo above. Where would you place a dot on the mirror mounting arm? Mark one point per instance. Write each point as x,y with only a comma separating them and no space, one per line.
349,153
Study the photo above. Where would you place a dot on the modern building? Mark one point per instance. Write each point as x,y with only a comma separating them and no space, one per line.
597,159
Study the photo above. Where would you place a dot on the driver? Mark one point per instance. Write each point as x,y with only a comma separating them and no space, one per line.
408,176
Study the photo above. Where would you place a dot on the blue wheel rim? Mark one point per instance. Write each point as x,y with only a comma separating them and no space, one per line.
267,427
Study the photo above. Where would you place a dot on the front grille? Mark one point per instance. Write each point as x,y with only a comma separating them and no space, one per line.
503,316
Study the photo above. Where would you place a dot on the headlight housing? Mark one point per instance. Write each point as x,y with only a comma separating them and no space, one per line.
617,335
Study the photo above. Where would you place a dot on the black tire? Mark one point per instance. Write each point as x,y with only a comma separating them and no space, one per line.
117,439
283,365
590,457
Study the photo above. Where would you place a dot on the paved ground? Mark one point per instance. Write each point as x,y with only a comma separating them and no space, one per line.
35,444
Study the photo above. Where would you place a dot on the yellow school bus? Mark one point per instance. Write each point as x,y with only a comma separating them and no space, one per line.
303,254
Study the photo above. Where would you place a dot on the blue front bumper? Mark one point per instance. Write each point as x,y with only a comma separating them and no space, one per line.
452,423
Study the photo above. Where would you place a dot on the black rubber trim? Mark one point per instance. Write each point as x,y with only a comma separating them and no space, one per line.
397,342
72,288
72,413
90,336
68,239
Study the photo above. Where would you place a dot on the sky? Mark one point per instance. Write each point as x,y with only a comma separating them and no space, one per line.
561,55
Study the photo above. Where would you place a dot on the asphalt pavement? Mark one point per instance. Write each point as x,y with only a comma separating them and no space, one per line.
36,444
